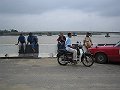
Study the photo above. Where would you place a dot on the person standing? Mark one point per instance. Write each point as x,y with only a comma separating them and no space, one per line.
61,41
87,42
69,46
21,42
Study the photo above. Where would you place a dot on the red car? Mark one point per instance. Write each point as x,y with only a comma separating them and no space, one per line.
105,54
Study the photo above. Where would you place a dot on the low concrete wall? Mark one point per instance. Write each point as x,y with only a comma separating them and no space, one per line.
27,51
43,50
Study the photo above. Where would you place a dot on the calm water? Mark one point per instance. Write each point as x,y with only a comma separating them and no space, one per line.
48,43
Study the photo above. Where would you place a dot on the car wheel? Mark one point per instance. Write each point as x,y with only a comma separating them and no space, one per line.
101,58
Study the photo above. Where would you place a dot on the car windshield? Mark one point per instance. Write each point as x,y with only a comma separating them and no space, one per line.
117,44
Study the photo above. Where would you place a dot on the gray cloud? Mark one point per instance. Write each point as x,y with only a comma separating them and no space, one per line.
36,15
102,7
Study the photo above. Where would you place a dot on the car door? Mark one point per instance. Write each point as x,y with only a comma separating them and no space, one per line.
116,53
118,48
113,53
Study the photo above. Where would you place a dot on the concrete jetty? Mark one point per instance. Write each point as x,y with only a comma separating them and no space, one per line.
47,74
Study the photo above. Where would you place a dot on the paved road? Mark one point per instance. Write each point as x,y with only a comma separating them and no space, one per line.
47,74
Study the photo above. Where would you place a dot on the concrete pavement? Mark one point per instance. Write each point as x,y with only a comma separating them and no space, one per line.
47,74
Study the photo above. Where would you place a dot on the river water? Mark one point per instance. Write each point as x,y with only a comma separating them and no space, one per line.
47,44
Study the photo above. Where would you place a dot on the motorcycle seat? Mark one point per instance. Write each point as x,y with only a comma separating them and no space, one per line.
67,52
64,51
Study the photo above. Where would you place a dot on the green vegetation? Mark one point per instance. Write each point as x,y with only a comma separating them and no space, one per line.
8,32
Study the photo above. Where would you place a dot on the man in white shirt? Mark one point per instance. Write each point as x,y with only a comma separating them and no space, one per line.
69,46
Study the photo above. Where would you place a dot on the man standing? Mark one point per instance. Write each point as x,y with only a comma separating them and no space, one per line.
69,46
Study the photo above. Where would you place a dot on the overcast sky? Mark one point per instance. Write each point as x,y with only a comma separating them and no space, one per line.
60,15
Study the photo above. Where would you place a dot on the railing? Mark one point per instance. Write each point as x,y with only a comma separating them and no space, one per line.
11,50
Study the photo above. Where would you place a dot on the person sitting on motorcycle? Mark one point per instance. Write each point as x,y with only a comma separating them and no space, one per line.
69,46
61,41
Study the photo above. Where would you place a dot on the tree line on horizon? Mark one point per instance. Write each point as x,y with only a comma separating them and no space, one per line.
4,32
15,32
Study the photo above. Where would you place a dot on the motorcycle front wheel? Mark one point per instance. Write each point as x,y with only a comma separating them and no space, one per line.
87,60
61,60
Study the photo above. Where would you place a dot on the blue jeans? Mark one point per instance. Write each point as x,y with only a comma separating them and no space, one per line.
61,45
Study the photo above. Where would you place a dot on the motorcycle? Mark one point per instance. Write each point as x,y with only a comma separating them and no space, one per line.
64,57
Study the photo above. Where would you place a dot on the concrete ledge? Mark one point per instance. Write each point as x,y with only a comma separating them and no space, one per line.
20,57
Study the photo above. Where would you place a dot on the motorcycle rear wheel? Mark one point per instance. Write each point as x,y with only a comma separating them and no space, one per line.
61,60
87,60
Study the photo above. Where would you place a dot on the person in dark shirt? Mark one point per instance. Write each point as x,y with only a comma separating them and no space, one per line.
61,41
32,40
35,40
21,42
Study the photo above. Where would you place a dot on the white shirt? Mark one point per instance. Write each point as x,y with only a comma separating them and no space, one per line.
68,42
